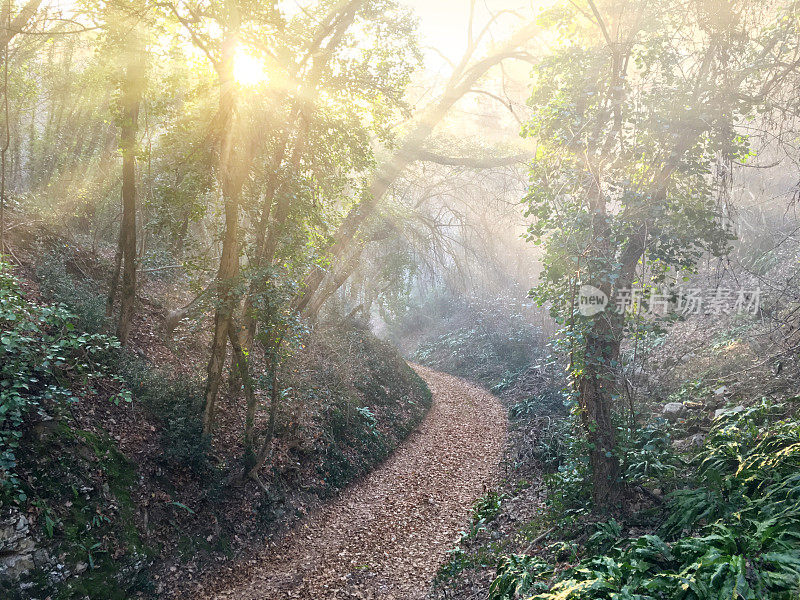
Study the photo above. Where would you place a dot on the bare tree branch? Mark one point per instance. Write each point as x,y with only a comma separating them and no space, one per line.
472,162
17,25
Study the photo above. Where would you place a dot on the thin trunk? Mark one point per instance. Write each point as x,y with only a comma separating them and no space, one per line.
275,207
249,394
131,101
247,308
231,188
265,451
112,286
336,281
180,242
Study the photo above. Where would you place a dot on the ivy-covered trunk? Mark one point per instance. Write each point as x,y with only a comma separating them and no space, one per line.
614,269
595,402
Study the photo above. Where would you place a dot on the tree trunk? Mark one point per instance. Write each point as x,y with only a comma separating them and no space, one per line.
249,394
131,101
275,206
595,389
6,38
597,385
601,347
231,189
265,451
336,281
112,286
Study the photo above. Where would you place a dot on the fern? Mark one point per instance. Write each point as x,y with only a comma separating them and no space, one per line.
733,535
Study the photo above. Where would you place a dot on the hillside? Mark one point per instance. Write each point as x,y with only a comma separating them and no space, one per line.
112,486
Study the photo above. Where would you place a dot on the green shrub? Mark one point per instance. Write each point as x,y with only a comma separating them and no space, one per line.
646,452
82,297
562,450
734,533
484,511
43,360
177,401
606,536
548,402
354,444
518,574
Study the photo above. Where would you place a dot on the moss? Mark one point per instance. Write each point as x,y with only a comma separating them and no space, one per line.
121,477
83,494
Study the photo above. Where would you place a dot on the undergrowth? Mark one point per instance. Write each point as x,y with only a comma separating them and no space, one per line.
73,484
370,401
484,511
45,363
491,342
80,295
730,531
177,402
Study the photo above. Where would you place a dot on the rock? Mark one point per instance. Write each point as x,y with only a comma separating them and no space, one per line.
13,567
719,397
685,444
673,410
41,558
16,547
22,524
725,412
80,568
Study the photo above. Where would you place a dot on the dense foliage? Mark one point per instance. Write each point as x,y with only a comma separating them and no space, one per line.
243,192
45,364
733,533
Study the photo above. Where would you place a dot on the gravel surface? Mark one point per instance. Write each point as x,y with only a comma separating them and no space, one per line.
386,535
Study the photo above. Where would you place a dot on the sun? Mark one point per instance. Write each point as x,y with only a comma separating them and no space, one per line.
248,70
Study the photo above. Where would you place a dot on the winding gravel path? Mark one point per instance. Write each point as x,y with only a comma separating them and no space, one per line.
385,536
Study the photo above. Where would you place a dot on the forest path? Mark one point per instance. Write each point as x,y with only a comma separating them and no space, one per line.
385,536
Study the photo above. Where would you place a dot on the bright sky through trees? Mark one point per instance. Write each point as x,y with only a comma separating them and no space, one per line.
249,70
